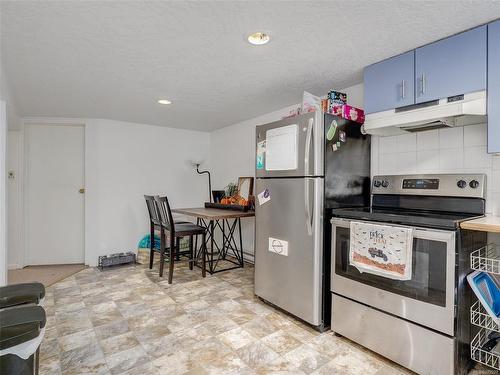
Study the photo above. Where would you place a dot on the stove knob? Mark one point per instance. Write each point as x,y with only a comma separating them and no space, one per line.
474,184
376,183
385,183
461,184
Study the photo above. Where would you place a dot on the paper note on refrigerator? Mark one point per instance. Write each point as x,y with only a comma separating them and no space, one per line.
282,148
278,246
264,196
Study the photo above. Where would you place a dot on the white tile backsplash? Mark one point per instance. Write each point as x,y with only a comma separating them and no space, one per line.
428,140
476,157
494,182
451,160
451,138
452,150
375,156
475,135
495,162
388,164
406,162
428,161
388,145
494,204
406,142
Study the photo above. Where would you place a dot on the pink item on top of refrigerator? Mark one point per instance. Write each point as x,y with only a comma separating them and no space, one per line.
349,112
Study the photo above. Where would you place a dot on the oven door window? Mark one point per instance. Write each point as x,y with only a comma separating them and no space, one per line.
428,282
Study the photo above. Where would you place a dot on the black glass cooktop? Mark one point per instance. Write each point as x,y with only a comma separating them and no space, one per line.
428,219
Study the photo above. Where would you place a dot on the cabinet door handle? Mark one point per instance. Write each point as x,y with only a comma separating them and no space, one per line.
423,84
403,89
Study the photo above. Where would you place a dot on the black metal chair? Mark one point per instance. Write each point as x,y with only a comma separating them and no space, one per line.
175,232
154,225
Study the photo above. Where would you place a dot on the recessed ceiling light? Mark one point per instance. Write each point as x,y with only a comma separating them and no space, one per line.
258,38
164,101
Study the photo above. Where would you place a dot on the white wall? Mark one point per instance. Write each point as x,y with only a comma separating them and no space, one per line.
3,199
124,161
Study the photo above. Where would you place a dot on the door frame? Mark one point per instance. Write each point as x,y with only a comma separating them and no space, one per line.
27,123
3,193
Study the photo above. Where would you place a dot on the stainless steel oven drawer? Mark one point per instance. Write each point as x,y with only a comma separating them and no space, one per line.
412,346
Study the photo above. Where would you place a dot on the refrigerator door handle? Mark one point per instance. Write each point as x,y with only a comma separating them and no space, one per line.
308,146
309,214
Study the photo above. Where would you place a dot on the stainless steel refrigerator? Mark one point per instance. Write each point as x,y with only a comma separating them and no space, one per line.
305,165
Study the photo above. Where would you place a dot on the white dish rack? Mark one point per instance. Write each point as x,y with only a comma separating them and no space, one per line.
486,259
482,356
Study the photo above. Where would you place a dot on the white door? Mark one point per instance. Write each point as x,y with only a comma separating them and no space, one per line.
55,207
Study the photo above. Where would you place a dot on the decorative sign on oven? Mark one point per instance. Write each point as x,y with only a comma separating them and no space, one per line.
382,250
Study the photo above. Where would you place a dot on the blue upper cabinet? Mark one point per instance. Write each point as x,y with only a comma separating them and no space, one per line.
494,87
452,66
390,83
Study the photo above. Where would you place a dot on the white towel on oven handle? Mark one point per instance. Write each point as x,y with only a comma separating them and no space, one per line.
383,250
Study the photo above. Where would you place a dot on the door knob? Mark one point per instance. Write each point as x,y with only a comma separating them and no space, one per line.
81,191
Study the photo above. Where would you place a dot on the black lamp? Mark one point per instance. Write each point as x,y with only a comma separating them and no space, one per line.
197,164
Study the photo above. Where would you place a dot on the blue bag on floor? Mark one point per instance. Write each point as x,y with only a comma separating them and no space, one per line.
145,242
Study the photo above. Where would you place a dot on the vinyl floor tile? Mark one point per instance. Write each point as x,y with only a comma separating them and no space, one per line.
130,321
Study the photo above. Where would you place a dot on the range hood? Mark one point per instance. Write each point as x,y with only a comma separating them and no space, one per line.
449,112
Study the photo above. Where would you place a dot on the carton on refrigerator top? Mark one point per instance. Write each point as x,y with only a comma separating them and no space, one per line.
349,112
337,97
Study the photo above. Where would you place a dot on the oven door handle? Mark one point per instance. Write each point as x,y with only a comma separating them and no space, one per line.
418,232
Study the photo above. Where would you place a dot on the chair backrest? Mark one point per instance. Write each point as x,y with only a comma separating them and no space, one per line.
165,214
153,211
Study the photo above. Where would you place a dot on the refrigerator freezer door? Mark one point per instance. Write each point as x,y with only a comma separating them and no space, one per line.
289,243
291,147
347,163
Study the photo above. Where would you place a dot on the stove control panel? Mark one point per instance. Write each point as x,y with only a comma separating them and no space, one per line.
453,185
421,183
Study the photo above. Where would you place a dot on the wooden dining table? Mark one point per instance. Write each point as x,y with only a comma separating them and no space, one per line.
227,248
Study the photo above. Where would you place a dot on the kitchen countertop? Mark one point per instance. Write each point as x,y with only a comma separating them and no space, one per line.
484,224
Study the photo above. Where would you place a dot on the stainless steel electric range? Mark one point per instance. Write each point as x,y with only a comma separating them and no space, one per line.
421,323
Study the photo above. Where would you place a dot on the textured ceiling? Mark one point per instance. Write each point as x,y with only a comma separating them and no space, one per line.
115,59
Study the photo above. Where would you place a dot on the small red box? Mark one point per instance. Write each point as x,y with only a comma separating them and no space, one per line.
349,112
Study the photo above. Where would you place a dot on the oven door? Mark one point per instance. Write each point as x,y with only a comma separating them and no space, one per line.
427,299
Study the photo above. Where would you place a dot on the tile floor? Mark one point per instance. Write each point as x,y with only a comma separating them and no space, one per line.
130,321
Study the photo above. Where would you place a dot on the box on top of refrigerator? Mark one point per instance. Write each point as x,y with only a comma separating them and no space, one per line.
349,112
337,97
